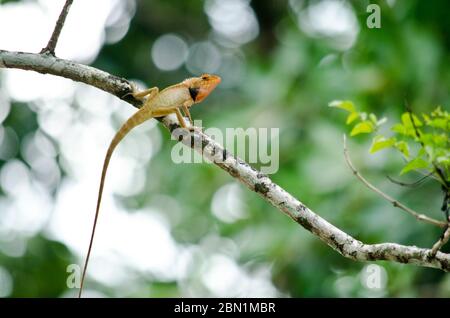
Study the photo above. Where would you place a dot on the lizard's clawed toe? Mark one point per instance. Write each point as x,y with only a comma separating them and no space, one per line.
195,129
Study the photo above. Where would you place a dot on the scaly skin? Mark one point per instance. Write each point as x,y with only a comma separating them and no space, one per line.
170,100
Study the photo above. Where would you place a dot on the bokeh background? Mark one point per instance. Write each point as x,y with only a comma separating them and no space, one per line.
190,229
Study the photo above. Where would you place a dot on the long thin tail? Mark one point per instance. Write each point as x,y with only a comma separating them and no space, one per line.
139,117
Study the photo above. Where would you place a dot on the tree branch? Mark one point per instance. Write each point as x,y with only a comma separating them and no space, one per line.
395,203
51,45
237,168
48,64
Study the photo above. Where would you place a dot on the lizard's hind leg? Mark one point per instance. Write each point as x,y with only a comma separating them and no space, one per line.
150,93
141,94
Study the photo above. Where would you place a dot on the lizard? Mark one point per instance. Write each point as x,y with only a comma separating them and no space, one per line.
156,103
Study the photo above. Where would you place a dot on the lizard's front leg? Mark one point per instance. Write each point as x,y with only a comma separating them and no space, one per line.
181,119
185,108
187,113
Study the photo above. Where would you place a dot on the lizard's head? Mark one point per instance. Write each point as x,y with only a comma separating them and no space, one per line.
201,87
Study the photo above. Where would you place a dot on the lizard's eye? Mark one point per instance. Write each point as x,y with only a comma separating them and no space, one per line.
204,77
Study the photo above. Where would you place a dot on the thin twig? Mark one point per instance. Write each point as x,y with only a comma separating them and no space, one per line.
445,208
395,203
51,45
253,179
412,184
441,242
446,235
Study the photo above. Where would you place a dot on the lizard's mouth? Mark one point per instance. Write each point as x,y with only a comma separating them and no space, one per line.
205,89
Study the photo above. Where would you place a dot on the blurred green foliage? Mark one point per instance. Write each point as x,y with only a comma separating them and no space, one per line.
431,136
287,79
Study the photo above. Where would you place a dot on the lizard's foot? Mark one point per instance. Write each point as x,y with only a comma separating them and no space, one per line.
133,91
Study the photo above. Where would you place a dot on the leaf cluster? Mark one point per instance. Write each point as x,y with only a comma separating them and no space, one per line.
423,141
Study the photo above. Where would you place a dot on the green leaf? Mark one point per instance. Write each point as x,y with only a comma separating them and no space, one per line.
399,128
417,163
379,143
438,112
343,104
443,161
430,151
351,118
373,118
364,127
403,147
440,140
426,138
439,123
406,120
426,118
422,152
